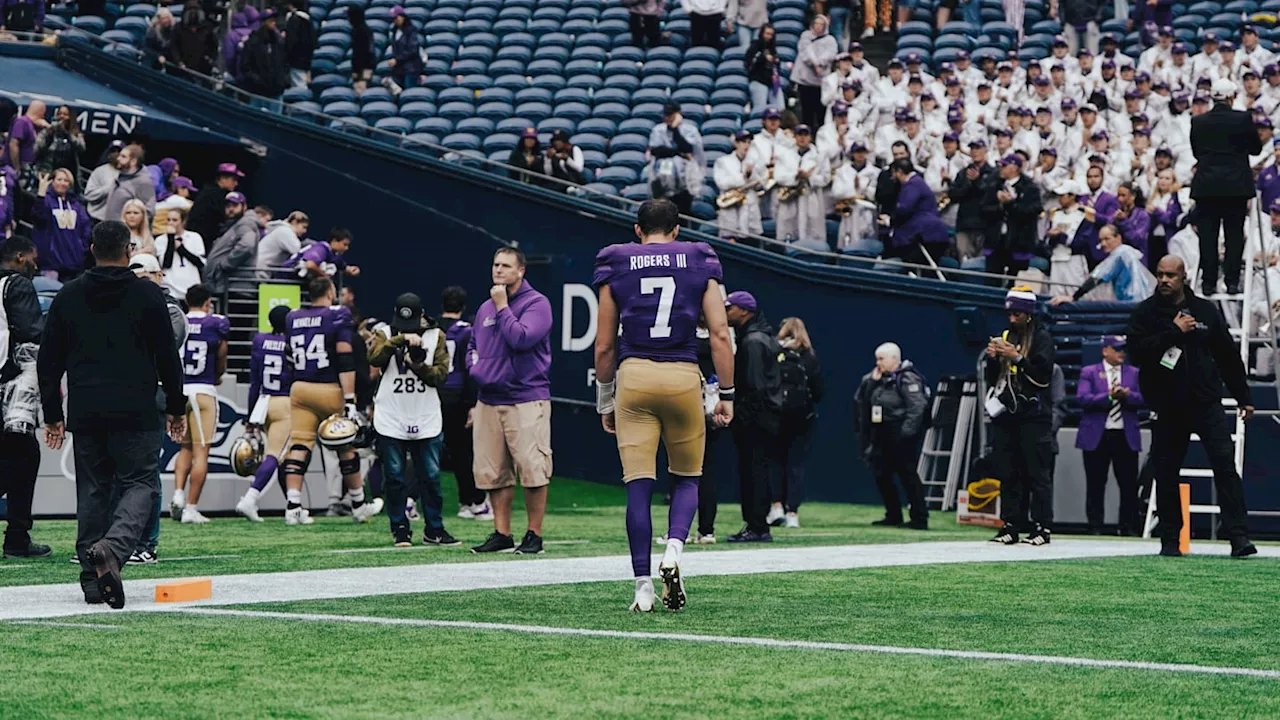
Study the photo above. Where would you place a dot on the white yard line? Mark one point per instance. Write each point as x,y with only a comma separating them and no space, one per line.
78,626
750,641
198,557
51,601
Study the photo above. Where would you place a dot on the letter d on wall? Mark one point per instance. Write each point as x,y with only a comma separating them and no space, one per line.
577,291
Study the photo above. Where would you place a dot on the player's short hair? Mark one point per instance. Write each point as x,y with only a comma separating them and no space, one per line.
277,317
110,240
198,295
515,252
453,299
339,233
902,165
297,216
319,287
15,246
657,217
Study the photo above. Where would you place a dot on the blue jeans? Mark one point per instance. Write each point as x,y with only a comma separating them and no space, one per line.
973,12
425,457
839,18
763,96
746,35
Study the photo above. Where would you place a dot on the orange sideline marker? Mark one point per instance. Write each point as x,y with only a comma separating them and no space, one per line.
1184,537
185,590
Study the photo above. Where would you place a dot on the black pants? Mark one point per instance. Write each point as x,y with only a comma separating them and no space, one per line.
1113,451
914,253
896,455
705,29
756,464
812,110
793,451
707,485
19,465
1170,435
645,27
1021,459
1229,214
123,461
458,443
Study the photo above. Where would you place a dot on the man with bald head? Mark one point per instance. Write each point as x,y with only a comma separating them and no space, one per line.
20,149
1184,353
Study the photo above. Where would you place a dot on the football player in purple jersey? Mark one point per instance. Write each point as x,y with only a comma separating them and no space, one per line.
325,259
648,386
204,360
458,397
270,378
321,338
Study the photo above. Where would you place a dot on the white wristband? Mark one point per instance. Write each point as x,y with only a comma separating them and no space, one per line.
604,396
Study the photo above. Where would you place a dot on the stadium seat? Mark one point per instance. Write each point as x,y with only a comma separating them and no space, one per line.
353,125
586,82
609,94
629,142
342,109
590,52
337,94
306,110
535,111
582,67
455,94
728,96
397,125
456,111
628,159
958,42
461,142
513,125
556,124
90,24
434,125
662,82
720,126
618,177
694,113
533,94
550,82
578,27
509,26
512,82
590,141
495,111
551,39
624,67
574,111
592,39
699,82
375,111
697,96
649,95
641,126
654,68
648,111
417,110
438,82
623,82
616,112
475,81
500,142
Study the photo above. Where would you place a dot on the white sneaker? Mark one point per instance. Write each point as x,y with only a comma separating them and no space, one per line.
466,513
869,32
297,516
176,505
660,540
775,514
701,539
644,595
192,516
367,510
411,511
793,520
482,512
248,508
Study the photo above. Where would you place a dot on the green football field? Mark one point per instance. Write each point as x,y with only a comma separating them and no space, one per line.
1200,634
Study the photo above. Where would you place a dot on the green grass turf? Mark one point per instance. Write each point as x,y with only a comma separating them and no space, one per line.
1198,610
576,511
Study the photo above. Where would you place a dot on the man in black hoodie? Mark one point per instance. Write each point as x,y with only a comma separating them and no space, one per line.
108,332
299,42
758,412
266,71
21,324
1019,371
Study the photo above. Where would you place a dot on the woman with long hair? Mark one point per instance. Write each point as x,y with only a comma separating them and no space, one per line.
798,420
134,217
762,70
526,158
1168,204
61,227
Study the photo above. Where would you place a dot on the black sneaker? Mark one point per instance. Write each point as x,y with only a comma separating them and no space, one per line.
1241,547
530,545
1170,551
1006,536
338,510
496,542
440,537
402,537
1039,537
918,525
92,595
750,536
33,550
142,557
888,522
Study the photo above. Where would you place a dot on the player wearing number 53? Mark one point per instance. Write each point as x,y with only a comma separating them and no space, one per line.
509,358
204,360
413,356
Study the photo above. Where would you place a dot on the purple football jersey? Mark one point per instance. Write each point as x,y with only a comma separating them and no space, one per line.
457,335
322,255
270,368
199,355
8,189
314,334
658,289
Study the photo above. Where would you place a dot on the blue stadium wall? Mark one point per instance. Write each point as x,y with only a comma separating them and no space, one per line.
421,224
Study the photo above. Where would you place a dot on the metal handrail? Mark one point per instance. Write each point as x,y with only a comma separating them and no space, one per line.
220,85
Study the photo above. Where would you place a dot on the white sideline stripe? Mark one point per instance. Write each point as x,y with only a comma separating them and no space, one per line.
351,551
27,602
198,557
751,641
49,623
7,566
567,542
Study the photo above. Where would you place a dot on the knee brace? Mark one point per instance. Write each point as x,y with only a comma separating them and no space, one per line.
293,466
349,466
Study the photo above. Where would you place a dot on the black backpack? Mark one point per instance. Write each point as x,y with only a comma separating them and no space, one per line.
797,403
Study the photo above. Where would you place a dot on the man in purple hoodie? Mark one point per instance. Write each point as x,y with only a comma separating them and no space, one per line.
509,358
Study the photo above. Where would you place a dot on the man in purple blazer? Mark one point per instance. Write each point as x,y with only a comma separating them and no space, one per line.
1109,398
915,220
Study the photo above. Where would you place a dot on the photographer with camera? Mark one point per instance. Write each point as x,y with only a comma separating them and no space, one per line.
413,356
564,160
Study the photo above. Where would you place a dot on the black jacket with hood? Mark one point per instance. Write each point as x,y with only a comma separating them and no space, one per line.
109,332
25,322
757,377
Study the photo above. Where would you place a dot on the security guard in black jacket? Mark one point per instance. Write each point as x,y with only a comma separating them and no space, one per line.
757,411
1019,373
1184,352
892,406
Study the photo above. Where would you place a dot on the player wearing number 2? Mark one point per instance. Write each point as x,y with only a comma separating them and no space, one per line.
324,383
204,360
414,360
648,386
270,379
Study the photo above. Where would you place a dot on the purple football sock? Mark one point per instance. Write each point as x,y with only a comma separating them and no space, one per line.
684,503
640,524
266,470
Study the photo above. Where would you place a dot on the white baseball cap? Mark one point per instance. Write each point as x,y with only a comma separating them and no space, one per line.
144,263
1223,89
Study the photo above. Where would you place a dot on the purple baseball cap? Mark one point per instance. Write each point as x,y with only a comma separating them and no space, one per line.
771,114
742,135
236,198
1059,41
946,67
1142,76
915,78
229,169
1165,31
855,47
1049,151
1249,73
1226,46
1041,80
1262,122
851,85
1084,51
529,133
952,136
979,143
1200,98
1142,131
1108,64
396,12
954,115
839,107
895,63
1246,28
910,117
1139,117
1068,103
1271,70
1211,37
962,55
1012,159
1113,341
184,182
901,113
913,58
1275,205
843,56
1003,132
1133,94
1044,109
801,130
858,146
1098,135
951,82
742,299
1179,48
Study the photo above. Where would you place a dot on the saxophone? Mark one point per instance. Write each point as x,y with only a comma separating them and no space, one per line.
801,188
733,198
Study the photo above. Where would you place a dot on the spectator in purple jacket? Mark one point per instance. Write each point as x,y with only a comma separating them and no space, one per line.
61,227
20,150
162,175
325,258
22,15
1099,208
915,220
509,358
1131,219
233,42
